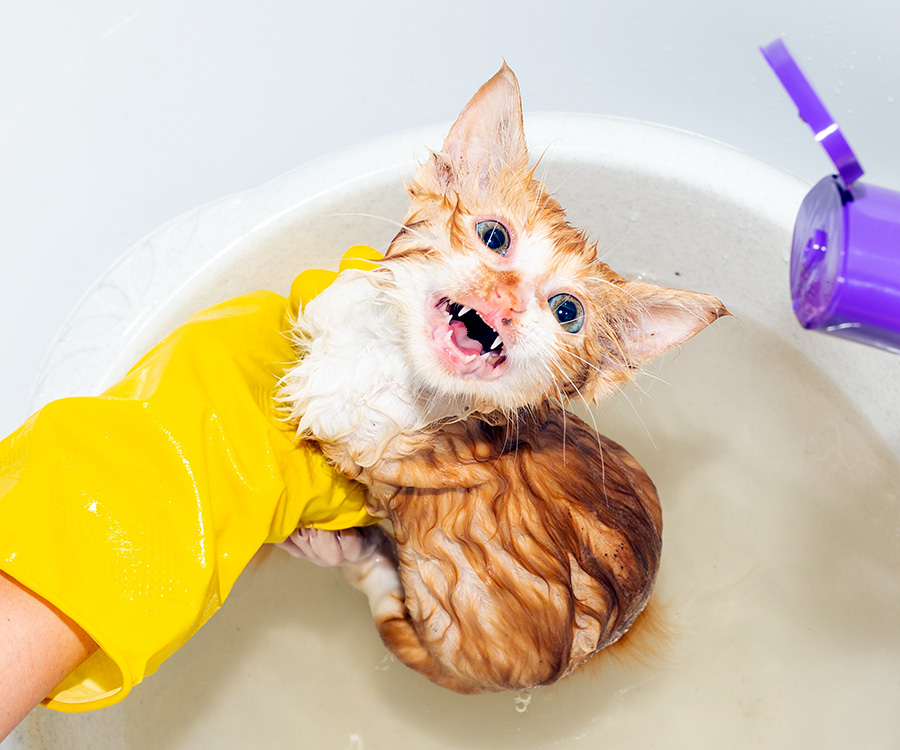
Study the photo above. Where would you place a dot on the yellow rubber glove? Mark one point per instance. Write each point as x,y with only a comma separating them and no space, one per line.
135,511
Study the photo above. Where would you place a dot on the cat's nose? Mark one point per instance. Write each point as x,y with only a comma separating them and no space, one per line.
508,296
507,303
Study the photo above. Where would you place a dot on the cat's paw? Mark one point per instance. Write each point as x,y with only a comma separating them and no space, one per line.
327,548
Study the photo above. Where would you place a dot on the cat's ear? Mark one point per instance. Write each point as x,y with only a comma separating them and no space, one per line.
659,319
487,137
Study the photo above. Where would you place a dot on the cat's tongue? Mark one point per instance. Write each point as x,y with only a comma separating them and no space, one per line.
461,339
459,352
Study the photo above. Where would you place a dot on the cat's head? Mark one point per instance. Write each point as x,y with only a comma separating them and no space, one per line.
503,300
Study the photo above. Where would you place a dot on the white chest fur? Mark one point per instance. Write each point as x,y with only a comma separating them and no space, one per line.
353,385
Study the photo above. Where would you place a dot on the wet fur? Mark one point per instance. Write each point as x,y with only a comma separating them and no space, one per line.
539,548
524,541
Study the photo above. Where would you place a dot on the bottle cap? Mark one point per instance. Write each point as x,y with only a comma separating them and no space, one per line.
845,254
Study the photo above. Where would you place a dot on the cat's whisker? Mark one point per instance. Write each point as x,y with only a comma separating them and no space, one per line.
549,366
645,374
569,381
593,418
540,163
518,424
565,414
619,289
625,395
591,366
591,410
538,208
608,252
547,193
632,217
563,180
403,226
377,217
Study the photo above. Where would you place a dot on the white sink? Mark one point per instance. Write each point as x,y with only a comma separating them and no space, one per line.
775,452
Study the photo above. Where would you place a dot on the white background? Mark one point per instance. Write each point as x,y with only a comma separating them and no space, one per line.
117,116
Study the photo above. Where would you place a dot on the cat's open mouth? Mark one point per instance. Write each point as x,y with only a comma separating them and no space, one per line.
465,343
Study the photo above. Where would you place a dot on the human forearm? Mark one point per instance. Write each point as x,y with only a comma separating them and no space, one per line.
39,646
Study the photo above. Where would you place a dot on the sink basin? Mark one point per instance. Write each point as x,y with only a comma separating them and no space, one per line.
775,452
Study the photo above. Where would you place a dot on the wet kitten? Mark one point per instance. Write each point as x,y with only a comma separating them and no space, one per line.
524,541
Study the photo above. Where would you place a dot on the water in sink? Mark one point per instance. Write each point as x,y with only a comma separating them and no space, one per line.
779,590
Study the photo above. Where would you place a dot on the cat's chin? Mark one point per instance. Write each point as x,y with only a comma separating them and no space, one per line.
476,367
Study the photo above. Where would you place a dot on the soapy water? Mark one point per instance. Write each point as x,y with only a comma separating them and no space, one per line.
778,586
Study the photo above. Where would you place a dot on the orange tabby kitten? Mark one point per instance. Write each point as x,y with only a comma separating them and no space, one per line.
523,541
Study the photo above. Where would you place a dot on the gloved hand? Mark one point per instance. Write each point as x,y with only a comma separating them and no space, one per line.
134,512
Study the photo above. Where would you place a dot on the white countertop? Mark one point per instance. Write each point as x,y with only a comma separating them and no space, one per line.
116,117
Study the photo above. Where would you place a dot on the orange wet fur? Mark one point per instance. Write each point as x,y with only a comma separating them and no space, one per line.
524,548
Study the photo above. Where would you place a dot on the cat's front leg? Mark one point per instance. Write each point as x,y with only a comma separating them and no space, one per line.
376,574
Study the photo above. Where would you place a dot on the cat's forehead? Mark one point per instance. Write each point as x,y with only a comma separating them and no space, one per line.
541,251
518,195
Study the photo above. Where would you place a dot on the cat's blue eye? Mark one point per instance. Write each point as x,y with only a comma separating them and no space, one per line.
494,235
568,311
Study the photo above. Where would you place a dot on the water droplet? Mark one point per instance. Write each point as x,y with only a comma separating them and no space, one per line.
890,99
522,700
385,663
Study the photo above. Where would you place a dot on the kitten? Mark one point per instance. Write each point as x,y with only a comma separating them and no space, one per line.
523,541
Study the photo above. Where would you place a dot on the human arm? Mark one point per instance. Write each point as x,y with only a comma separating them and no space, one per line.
40,646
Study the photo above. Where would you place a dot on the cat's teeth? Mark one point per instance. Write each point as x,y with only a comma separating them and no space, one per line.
462,311
497,342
